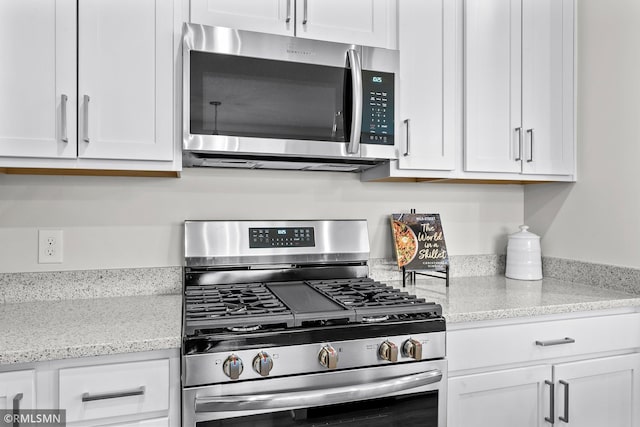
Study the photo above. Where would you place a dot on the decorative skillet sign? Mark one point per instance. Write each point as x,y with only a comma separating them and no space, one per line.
419,242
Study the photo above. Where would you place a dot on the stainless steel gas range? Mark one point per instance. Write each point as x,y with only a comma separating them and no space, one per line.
283,327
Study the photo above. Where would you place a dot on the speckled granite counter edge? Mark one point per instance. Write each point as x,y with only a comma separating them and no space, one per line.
72,352
513,313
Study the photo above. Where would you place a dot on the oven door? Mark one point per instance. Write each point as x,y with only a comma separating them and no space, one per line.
392,395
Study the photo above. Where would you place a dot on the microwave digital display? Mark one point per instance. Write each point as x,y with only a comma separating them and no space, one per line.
378,108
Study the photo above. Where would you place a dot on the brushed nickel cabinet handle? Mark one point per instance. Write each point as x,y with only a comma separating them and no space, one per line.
530,132
566,402
552,402
16,407
304,13
565,340
86,119
519,156
63,118
408,150
87,397
288,12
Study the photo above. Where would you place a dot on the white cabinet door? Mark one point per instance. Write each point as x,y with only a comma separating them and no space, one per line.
492,85
516,397
547,86
18,388
601,392
37,78
518,86
426,40
125,79
363,22
265,16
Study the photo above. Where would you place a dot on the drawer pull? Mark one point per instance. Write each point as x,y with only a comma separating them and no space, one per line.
86,397
565,340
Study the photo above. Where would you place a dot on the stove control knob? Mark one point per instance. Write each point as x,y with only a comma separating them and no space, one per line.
233,367
263,363
412,348
388,351
328,357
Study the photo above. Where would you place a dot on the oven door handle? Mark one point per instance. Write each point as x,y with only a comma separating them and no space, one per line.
319,397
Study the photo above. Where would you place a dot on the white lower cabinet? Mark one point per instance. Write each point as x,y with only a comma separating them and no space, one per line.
508,398
122,390
18,389
94,392
571,376
600,392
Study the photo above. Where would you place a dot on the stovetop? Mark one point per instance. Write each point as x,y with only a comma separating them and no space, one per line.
267,306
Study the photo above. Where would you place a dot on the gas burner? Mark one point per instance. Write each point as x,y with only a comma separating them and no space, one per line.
365,293
245,299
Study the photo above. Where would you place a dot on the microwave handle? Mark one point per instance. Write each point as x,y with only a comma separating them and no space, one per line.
318,397
356,112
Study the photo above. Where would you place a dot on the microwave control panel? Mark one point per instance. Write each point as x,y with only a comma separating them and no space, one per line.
281,237
377,108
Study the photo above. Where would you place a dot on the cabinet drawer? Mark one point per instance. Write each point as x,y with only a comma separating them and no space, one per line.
93,392
500,345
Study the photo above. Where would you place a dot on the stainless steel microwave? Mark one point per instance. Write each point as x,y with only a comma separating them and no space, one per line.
253,100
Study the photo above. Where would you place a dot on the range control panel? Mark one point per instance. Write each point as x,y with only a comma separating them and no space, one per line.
377,108
295,237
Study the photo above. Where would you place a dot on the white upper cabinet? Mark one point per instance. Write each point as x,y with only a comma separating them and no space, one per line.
91,85
492,88
37,78
519,86
125,79
364,22
265,16
548,86
426,40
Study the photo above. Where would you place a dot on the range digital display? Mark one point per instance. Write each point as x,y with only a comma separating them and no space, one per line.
292,237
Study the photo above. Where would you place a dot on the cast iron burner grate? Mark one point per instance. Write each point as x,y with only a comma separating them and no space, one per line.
365,293
233,306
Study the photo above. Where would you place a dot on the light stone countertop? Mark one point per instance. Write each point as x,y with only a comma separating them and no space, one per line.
470,299
48,330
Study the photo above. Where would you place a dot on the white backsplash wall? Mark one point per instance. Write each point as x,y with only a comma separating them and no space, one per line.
597,219
118,222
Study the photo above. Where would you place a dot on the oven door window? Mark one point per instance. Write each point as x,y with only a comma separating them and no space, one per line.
251,97
399,411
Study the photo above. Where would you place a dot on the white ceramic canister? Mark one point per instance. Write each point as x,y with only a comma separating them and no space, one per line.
524,259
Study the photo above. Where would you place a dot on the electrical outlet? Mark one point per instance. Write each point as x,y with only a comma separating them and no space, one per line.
49,246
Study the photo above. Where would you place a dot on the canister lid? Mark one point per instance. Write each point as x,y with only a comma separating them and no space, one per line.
524,234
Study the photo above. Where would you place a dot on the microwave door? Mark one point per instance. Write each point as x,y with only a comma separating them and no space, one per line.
263,106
